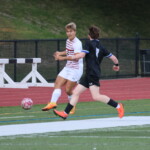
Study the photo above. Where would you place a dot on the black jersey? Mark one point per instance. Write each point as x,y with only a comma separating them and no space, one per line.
94,57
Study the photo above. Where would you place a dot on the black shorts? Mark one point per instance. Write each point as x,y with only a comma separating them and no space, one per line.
88,81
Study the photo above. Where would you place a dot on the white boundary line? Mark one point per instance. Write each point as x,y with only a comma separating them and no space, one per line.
19,129
15,117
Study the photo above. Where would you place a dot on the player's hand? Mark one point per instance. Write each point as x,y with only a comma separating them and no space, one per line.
116,68
56,54
57,57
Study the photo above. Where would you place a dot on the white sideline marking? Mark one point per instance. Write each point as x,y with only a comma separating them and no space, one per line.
8,130
15,117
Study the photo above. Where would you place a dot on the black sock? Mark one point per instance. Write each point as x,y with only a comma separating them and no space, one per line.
68,108
112,103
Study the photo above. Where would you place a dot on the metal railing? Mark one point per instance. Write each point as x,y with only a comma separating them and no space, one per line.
127,51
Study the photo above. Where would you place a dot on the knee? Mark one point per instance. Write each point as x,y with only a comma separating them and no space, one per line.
68,91
96,97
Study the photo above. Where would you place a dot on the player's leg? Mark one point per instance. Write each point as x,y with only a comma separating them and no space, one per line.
60,81
69,88
75,97
95,91
76,93
73,77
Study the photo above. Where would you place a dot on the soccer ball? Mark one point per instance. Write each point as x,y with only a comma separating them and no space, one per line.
26,103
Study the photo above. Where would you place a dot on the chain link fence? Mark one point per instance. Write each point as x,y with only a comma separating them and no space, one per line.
129,51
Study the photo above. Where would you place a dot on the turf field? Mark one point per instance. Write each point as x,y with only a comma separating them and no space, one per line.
85,110
124,138
120,138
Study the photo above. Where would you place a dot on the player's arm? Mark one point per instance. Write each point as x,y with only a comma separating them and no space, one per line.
112,57
57,53
116,63
77,56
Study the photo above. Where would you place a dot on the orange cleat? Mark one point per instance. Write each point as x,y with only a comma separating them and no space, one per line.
49,106
61,114
73,110
120,111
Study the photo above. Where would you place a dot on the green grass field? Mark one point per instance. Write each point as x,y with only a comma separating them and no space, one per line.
116,138
120,138
85,110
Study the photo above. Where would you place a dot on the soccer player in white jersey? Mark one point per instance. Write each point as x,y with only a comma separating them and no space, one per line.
94,53
72,72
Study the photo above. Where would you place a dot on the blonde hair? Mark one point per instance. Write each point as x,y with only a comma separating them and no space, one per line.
71,25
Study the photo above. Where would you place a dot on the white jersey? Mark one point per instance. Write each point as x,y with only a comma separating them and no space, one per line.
73,69
72,47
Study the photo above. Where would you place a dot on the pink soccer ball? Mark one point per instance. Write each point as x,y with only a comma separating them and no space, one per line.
26,103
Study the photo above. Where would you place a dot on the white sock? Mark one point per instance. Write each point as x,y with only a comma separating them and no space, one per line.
69,97
55,96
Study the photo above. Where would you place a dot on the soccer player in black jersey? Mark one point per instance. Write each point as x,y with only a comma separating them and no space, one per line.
94,53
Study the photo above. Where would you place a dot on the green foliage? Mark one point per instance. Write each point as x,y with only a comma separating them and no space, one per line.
40,19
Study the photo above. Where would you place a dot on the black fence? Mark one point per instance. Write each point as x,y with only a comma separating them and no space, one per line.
133,55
